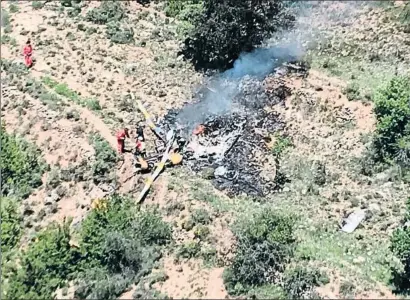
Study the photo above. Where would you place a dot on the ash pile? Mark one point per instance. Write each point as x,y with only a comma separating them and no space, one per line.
228,129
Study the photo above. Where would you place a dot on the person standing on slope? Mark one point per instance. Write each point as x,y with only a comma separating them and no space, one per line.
121,135
28,52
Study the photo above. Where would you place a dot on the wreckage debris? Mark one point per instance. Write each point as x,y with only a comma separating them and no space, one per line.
353,220
231,142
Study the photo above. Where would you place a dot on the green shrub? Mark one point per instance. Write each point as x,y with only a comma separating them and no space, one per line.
201,232
174,8
151,293
392,109
108,11
265,243
37,4
151,228
105,158
21,165
69,3
201,216
74,11
118,34
53,178
301,280
5,39
188,250
63,90
5,18
97,284
225,29
12,67
8,29
48,81
93,104
10,225
404,15
116,218
347,289
13,8
400,243
187,12
45,266
352,91
119,245
281,144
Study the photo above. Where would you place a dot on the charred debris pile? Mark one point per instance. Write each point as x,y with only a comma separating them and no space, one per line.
228,127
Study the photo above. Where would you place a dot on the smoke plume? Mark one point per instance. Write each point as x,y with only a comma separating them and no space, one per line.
285,46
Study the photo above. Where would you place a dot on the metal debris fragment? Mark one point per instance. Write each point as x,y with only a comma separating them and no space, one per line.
353,220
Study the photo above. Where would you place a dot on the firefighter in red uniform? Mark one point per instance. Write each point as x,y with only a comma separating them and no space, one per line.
28,52
121,135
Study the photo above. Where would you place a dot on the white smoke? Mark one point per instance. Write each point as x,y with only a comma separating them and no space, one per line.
284,46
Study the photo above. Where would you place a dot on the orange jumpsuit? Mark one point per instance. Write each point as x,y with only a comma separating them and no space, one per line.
121,135
28,52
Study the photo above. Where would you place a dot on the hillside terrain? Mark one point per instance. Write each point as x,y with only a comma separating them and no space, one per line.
320,134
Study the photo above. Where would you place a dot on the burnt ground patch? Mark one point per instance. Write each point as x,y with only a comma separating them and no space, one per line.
238,119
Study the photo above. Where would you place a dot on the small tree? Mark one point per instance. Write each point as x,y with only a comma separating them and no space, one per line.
10,225
265,243
119,245
227,28
392,109
21,165
401,247
45,266
108,11
105,158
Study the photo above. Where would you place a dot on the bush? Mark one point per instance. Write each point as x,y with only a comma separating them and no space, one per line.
5,18
175,8
119,245
13,67
37,4
13,8
93,104
301,280
225,29
119,35
187,12
151,228
10,225
108,11
201,216
69,3
97,284
352,92
116,217
392,109
46,265
281,144
400,244
404,15
62,89
265,243
53,178
188,250
105,158
21,165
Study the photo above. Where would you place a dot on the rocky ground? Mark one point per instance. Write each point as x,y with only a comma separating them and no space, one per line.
76,66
